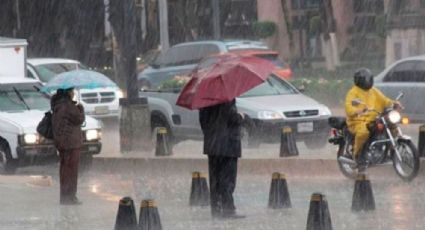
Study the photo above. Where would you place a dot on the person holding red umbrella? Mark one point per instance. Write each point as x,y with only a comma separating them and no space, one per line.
213,87
221,125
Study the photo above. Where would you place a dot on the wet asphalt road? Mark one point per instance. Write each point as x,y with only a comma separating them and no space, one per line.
399,205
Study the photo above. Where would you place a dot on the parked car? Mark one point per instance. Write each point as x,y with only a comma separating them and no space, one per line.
283,70
407,76
272,105
22,106
99,102
180,59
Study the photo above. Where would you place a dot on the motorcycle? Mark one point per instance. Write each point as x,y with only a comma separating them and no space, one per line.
385,144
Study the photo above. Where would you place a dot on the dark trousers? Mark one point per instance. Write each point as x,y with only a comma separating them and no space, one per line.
222,173
68,173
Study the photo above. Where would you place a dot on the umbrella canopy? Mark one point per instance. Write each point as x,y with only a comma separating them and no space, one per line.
222,78
79,79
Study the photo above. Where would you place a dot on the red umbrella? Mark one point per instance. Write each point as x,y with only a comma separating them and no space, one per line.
222,78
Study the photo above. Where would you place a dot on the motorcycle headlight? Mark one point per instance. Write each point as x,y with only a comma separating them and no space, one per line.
30,138
269,115
394,117
92,135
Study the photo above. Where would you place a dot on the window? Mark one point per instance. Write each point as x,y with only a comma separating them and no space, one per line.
419,72
402,72
29,74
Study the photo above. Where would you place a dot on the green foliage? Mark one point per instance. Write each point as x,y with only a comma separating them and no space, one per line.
264,29
174,84
315,25
380,23
329,92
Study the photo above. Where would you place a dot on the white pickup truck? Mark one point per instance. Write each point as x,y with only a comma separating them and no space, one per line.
22,107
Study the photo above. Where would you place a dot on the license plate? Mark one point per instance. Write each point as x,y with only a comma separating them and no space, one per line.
305,127
101,110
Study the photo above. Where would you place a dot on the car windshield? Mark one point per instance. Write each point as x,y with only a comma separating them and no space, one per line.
10,100
47,71
272,86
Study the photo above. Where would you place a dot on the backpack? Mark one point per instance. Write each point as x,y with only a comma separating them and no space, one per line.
45,127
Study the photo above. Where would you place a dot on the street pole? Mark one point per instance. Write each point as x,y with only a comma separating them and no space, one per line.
216,18
163,24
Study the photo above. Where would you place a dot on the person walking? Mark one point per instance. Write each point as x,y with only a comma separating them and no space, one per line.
68,117
221,125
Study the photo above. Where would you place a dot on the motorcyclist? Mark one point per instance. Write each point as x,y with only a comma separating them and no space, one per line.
358,116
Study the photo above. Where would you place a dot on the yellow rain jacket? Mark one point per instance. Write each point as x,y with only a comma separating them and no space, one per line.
357,124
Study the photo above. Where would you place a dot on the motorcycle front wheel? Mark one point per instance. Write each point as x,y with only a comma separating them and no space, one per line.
408,167
348,170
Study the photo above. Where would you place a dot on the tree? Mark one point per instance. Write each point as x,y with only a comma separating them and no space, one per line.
123,21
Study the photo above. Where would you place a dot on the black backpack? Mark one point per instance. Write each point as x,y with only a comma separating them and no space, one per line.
45,127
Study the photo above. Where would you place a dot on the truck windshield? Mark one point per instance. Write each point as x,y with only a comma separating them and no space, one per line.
10,101
272,86
48,71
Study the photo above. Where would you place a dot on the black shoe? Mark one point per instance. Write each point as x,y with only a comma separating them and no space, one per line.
71,201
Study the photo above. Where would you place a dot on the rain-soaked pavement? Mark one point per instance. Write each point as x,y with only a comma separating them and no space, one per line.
32,203
28,205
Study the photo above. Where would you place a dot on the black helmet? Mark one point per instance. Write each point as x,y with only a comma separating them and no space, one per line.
363,78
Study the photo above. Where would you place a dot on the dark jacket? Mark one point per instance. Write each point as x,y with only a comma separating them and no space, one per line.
221,125
67,120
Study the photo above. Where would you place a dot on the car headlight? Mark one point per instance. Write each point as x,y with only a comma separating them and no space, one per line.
269,115
394,117
120,94
93,134
325,111
30,138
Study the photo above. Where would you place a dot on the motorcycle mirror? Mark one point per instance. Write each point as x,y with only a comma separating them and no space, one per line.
356,102
400,96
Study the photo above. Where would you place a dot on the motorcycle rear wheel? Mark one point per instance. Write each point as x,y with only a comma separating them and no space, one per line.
408,168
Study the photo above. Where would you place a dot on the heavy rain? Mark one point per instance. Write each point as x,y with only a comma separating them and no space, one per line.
212,114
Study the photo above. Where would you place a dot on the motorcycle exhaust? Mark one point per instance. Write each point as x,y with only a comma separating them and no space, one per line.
346,160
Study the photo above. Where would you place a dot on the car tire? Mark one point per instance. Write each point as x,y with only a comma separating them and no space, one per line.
8,165
316,143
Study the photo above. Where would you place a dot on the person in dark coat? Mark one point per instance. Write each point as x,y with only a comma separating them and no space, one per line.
221,125
68,117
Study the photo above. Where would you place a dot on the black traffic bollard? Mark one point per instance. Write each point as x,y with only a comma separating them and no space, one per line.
199,193
363,199
162,142
279,194
126,216
319,217
149,216
288,145
421,141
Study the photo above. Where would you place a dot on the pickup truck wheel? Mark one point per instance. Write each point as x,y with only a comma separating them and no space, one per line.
8,165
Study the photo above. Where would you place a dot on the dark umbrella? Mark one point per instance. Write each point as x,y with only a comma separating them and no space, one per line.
222,78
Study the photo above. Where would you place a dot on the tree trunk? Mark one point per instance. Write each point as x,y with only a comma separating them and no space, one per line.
288,28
